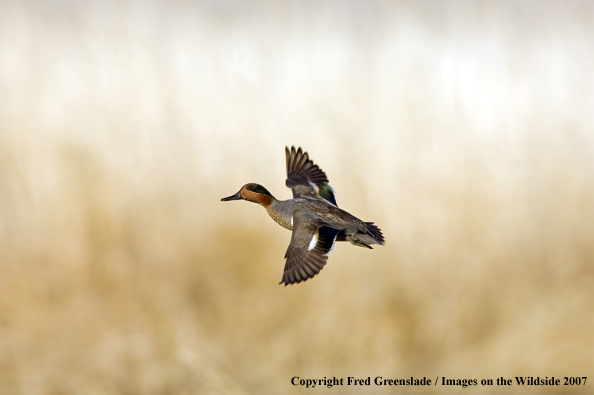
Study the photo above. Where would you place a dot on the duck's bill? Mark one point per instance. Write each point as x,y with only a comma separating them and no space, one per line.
237,196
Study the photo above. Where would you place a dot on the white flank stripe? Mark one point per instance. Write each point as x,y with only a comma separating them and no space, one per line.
291,221
329,202
313,242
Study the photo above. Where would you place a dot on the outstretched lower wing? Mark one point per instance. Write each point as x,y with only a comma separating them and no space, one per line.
308,251
305,178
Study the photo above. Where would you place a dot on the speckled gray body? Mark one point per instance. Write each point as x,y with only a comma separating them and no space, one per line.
318,210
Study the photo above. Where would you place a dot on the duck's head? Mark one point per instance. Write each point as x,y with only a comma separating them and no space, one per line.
253,193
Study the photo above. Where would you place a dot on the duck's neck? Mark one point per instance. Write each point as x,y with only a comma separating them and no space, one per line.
265,200
280,216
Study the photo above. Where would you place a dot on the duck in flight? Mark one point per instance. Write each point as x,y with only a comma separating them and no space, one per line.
312,215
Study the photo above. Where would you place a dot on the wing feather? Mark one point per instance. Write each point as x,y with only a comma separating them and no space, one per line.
305,178
302,262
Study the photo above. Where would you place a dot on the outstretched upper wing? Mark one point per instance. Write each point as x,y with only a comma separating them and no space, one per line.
305,178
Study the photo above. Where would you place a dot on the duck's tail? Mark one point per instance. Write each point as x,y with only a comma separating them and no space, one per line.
368,234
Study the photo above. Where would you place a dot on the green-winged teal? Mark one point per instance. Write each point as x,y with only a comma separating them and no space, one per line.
312,215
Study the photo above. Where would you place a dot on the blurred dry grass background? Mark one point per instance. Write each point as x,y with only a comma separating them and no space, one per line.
464,129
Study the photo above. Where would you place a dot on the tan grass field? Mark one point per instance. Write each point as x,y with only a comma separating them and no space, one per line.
465,130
